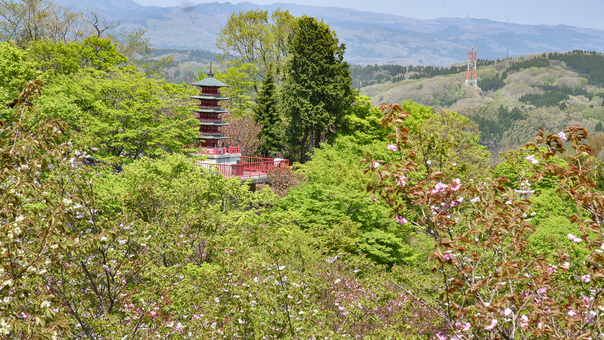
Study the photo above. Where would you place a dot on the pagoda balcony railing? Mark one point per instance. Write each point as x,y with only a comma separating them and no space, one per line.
209,107
210,92
209,117
219,151
209,120
210,133
250,167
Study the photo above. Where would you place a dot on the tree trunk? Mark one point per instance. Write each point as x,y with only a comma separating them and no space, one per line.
310,144
303,146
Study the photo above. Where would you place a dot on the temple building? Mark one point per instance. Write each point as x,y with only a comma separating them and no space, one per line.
227,160
208,111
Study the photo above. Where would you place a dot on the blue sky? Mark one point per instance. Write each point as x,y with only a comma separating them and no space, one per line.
579,13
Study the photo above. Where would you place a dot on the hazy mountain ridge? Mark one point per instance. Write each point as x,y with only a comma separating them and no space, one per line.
369,37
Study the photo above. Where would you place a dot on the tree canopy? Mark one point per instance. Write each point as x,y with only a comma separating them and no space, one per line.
316,84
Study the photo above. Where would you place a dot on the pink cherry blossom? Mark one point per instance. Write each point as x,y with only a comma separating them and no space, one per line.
562,135
440,187
400,219
571,312
592,316
565,265
466,327
447,257
532,159
402,181
455,184
506,312
375,165
457,202
492,325
586,301
542,290
441,335
586,278
523,321
392,147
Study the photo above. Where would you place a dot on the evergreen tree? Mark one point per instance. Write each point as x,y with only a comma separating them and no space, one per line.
266,114
317,85
599,127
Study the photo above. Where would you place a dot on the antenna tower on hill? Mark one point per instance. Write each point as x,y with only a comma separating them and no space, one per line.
471,73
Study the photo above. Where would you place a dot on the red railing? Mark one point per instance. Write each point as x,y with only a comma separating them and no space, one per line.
219,151
210,92
250,167
206,116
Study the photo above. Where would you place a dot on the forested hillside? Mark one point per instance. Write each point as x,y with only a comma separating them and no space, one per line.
392,222
549,90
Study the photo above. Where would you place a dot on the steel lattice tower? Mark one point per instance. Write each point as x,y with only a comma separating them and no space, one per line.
471,73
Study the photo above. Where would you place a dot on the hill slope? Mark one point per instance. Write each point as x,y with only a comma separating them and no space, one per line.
567,89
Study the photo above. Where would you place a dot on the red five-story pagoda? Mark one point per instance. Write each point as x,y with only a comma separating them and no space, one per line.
208,110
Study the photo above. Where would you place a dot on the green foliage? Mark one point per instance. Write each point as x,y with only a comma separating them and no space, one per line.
55,58
417,113
242,83
551,235
444,141
328,210
590,63
15,71
549,98
363,122
100,54
266,114
493,83
316,90
130,114
485,247
535,62
506,117
363,76
255,38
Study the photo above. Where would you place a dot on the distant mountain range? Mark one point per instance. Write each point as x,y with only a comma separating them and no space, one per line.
370,38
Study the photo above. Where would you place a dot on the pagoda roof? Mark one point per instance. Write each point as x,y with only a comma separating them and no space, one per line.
210,97
214,123
212,137
210,81
210,110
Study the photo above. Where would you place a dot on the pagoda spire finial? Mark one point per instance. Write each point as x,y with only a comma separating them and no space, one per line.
210,74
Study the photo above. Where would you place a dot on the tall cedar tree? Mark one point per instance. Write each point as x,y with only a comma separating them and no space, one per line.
266,114
317,85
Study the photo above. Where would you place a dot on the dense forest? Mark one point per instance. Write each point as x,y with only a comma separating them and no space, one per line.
363,76
393,222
